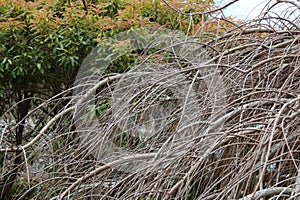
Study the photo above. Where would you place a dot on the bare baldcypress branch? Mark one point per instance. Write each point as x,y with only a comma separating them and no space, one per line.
217,119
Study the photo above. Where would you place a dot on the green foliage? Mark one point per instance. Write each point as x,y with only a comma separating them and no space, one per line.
44,43
112,7
38,52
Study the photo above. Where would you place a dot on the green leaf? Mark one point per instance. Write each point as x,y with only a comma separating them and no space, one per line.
72,61
9,61
39,66
4,60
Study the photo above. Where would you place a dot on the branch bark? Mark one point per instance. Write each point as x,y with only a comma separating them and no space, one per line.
268,192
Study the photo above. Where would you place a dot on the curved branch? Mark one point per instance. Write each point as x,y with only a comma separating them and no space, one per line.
200,13
103,168
268,192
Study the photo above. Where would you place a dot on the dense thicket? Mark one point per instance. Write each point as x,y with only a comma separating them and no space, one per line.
215,116
43,44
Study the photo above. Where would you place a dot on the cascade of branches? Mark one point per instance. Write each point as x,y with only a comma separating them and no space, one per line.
217,121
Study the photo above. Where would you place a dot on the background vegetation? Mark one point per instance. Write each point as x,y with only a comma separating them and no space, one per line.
248,149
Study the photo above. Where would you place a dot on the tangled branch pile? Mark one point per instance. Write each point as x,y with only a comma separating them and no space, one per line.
217,121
